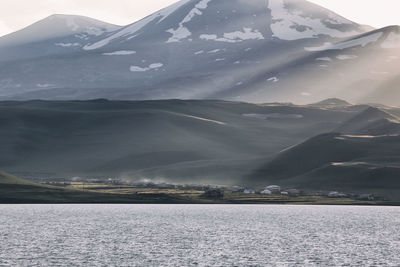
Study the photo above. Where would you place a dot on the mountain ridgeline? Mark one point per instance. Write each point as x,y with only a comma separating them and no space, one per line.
254,51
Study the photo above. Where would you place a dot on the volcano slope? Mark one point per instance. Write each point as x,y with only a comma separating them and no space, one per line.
254,51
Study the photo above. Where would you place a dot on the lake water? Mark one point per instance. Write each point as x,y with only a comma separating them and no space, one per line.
198,235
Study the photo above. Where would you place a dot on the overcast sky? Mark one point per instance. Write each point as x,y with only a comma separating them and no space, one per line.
16,14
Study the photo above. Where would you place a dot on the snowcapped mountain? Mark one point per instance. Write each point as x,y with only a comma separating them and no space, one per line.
251,50
58,26
234,21
54,33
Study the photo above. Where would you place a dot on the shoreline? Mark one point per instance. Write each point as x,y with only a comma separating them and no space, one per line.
128,201
14,190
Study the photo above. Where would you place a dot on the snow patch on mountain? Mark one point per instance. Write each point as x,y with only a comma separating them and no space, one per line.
81,24
44,85
213,51
137,26
273,79
120,53
67,44
362,41
346,57
94,31
323,59
273,116
182,32
293,24
392,41
156,65
82,36
234,37
129,30
325,46
153,66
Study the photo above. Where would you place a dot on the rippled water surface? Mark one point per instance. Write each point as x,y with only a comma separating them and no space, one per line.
190,235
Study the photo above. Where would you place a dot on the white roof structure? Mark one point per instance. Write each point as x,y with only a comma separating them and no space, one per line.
266,192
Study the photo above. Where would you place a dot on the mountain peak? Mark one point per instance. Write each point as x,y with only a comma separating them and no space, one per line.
57,26
78,23
331,102
299,19
236,21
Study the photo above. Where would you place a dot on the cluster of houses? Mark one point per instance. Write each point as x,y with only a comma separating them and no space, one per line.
212,189
156,185
274,190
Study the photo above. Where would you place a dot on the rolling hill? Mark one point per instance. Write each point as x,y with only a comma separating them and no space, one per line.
371,121
351,163
10,179
202,141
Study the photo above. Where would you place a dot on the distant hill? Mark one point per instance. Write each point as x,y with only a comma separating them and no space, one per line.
331,102
338,162
200,141
10,179
183,141
372,121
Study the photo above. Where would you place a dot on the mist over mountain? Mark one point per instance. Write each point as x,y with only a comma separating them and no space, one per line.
256,51
203,141
181,141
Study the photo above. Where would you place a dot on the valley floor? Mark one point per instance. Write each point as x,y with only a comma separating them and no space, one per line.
101,193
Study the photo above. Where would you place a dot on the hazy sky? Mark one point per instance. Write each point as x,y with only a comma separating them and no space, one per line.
16,14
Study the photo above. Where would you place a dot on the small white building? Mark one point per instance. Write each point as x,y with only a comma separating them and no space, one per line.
249,191
336,194
266,192
333,194
274,188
